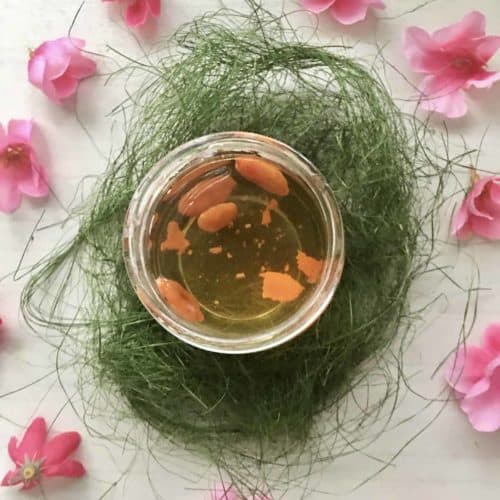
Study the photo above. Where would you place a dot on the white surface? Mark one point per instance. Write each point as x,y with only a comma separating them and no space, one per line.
448,461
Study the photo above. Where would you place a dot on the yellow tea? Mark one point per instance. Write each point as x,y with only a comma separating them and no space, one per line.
236,244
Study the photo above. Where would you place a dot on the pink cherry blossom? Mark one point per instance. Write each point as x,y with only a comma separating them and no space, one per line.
138,11
454,59
228,493
474,373
58,66
344,11
20,171
479,213
35,457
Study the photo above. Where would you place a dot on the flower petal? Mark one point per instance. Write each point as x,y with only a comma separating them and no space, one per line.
480,387
489,229
494,191
483,408
486,48
484,383
442,93
467,367
32,443
483,79
137,13
473,25
317,6
10,197
57,59
459,225
422,52
491,338
60,447
65,86
68,468
36,70
71,44
486,204
353,11
14,454
155,7
81,67
474,198
35,184
20,131
11,478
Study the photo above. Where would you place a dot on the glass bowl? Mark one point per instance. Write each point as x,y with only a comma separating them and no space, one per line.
234,243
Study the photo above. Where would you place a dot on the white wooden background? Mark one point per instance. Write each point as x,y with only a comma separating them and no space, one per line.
449,461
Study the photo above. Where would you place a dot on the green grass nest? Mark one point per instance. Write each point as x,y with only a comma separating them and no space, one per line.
233,71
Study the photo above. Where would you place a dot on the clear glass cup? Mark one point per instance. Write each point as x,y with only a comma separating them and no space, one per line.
185,165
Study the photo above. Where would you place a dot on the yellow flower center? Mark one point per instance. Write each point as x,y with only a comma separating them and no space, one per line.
29,472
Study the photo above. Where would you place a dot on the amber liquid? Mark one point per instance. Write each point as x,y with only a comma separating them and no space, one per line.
223,270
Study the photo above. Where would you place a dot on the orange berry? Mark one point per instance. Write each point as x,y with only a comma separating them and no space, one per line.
206,194
263,173
218,217
179,299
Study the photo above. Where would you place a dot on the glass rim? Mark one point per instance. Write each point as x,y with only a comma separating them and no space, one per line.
178,162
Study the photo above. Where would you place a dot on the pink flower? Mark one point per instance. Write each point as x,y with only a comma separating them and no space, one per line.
474,373
344,11
454,59
35,457
138,11
20,171
57,66
479,213
228,493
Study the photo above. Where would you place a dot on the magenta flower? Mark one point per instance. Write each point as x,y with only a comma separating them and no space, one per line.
454,59
479,213
474,373
35,457
138,11
20,171
228,493
58,66
344,11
